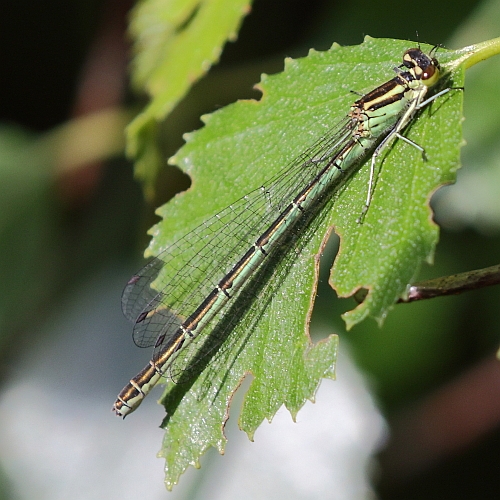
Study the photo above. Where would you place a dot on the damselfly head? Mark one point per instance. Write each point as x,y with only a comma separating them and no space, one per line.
422,66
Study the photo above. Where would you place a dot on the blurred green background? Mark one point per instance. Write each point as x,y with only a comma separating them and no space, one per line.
70,206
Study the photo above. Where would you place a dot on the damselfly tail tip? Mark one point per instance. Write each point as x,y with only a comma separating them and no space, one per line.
120,409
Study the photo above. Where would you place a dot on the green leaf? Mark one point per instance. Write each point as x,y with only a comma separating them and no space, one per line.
266,336
175,43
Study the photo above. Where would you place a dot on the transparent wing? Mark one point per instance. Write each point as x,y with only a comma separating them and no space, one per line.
172,285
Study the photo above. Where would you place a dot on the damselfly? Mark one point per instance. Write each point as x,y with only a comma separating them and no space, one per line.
170,312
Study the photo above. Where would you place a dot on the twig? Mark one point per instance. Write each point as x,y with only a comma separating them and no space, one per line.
454,284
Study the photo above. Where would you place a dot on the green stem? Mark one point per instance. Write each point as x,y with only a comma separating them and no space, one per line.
473,54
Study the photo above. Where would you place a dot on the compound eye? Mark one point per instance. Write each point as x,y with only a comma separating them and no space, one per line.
429,72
